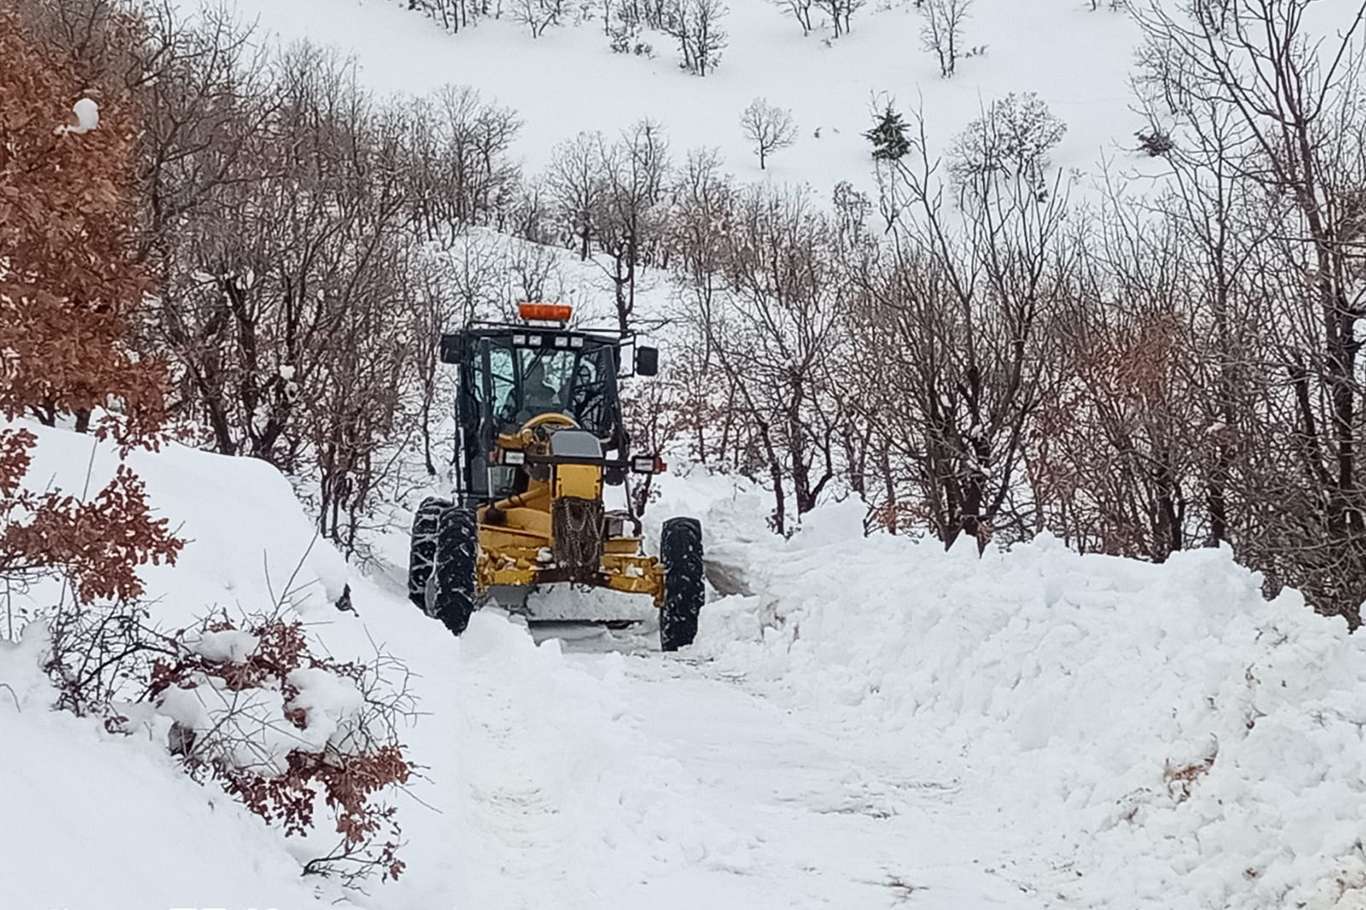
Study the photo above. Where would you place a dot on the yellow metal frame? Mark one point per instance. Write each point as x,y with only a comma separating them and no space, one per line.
516,534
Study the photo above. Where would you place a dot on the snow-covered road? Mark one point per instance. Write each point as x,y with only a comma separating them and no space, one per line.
718,797
827,821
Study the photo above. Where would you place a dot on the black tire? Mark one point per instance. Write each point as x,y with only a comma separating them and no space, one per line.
450,591
680,550
422,550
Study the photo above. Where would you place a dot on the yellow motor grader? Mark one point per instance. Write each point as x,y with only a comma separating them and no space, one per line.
540,436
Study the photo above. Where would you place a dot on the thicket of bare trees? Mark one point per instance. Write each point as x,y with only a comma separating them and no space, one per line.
1268,118
109,174
293,226
610,198
453,15
970,350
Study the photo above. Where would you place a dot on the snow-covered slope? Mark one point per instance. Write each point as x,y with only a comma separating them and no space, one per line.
95,820
568,80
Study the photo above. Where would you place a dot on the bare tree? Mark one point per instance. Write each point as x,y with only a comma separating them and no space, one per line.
629,218
942,32
453,15
696,25
576,183
537,15
1014,136
840,12
767,128
531,272
450,288
800,10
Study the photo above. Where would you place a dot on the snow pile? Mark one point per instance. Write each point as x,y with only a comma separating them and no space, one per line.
1208,741
252,728
249,545
87,118
227,645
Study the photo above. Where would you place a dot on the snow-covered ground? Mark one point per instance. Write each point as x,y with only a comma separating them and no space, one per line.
1186,743
879,724
568,80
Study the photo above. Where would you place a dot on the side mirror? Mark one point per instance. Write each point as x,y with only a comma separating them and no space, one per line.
452,348
647,361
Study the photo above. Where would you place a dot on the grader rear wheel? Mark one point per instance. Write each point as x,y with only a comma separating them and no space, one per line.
680,550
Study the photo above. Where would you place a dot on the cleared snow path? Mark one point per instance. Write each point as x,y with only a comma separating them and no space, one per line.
740,803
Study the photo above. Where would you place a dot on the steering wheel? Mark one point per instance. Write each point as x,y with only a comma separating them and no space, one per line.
551,419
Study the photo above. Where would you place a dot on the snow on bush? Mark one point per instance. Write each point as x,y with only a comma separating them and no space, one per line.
87,117
87,808
256,709
1210,741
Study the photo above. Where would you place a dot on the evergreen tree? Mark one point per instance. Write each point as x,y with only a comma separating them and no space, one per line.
889,136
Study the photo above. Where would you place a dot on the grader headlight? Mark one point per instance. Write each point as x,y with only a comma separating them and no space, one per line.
648,464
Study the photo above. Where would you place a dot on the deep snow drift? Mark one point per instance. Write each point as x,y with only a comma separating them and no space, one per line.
1200,746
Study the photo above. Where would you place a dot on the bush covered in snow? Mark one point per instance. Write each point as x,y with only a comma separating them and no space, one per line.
253,706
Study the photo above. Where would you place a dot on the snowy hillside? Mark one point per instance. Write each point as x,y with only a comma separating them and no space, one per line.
1078,60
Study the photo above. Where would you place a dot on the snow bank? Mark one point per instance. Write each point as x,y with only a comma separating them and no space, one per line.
1202,746
99,820
531,763
248,545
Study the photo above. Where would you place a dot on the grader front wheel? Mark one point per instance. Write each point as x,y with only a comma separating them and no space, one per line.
680,550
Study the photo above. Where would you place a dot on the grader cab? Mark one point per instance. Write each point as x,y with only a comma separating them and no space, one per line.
540,437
